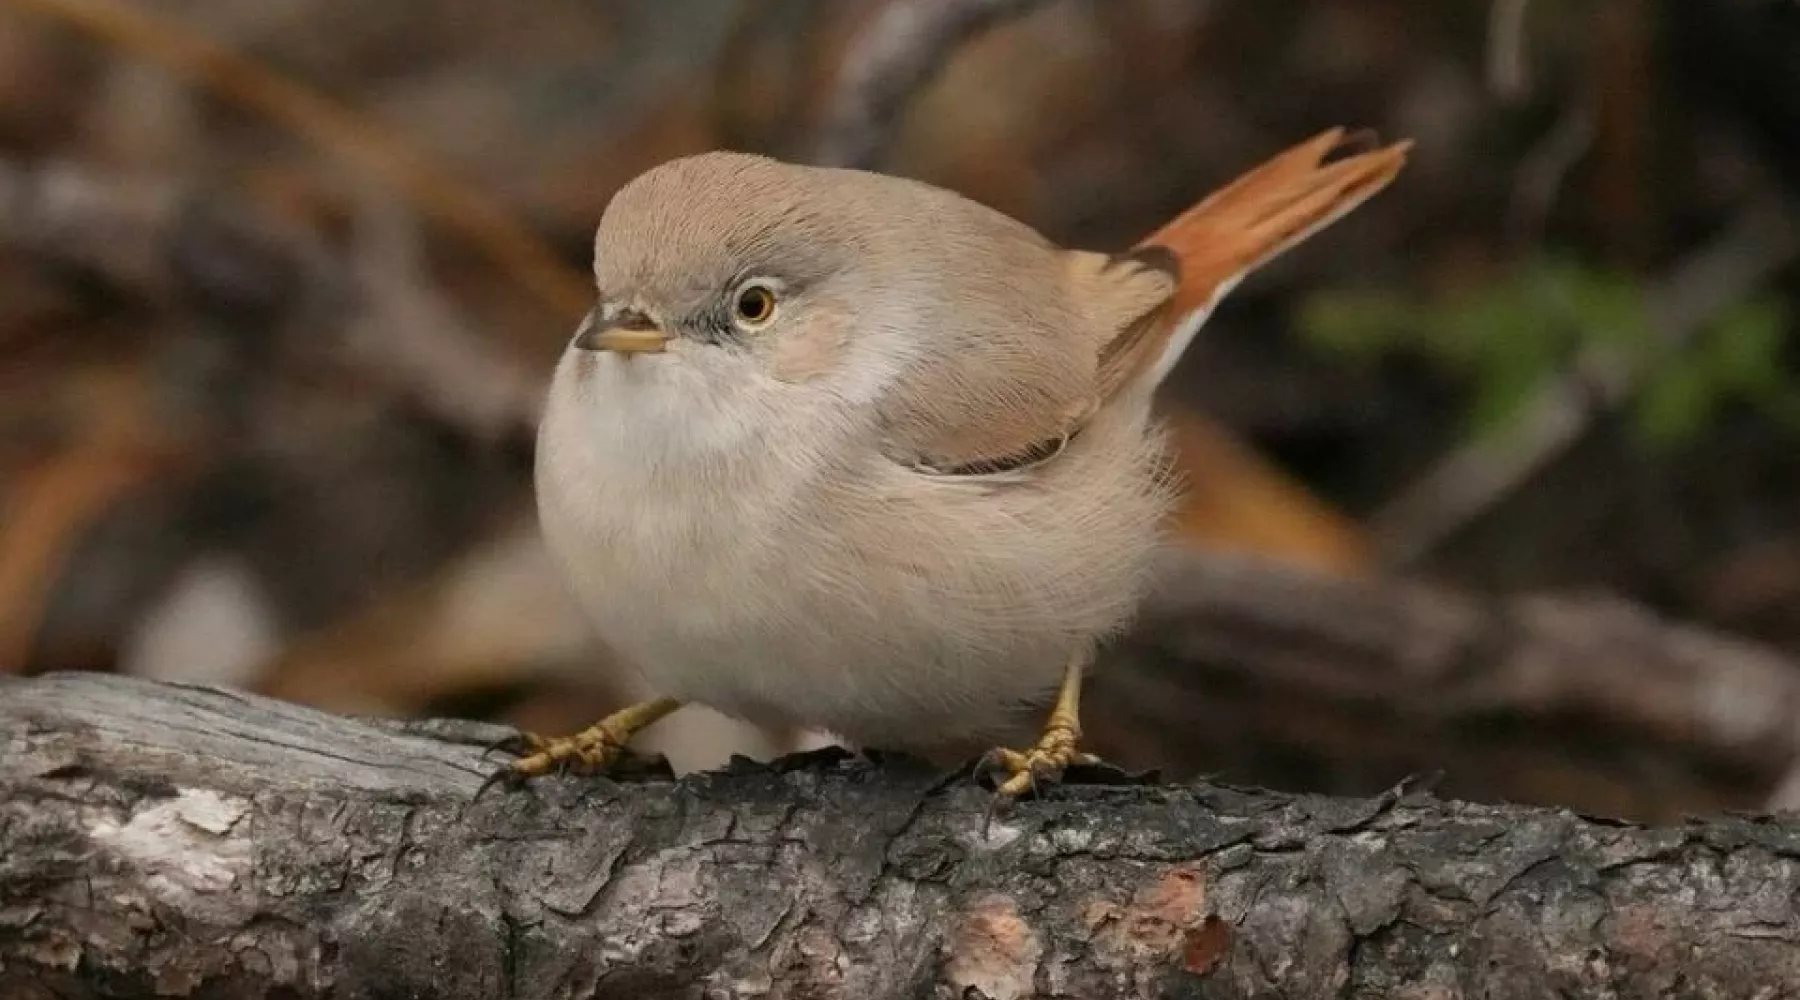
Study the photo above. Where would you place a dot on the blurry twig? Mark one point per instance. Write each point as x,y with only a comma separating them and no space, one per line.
50,509
151,238
1544,168
907,42
411,332
75,218
1479,475
1507,75
372,146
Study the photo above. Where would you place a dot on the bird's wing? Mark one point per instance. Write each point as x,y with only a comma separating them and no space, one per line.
1143,307
1207,250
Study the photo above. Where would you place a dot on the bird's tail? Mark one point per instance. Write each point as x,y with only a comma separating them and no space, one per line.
1250,222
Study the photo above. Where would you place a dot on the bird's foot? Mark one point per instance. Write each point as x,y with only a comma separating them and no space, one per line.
597,749
1026,770
590,751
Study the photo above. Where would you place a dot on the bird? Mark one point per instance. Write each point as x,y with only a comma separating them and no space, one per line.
846,451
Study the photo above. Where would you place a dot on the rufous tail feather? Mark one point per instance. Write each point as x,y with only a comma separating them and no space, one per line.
1241,227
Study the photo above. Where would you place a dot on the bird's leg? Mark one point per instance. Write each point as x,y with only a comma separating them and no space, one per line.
595,748
1055,750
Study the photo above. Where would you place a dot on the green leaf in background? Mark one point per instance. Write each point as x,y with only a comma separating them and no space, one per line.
1742,348
1499,330
1606,307
1673,404
1516,339
1508,337
1360,325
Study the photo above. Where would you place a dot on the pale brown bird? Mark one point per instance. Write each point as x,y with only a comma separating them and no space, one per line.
845,451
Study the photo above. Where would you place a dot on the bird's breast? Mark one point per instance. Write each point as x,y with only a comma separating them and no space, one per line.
687,523
759,566
655,491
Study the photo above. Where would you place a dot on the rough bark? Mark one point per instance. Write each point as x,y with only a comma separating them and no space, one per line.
191,842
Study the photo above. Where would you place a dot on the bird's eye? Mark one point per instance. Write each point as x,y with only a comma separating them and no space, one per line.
755,304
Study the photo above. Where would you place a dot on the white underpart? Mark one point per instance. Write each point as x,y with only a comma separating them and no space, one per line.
742,545
1185,333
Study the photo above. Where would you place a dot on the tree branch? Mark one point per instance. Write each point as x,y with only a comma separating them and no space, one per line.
193,842
157,238
890,60
1236,654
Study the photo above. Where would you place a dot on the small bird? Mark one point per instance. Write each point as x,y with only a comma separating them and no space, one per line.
846,451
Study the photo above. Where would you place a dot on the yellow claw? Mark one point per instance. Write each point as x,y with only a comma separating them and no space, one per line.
591,751
1055,751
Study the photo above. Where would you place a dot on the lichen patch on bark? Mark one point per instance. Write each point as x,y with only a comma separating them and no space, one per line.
184,844
1151,931
992,950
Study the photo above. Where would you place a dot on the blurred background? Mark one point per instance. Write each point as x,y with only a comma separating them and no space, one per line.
281,281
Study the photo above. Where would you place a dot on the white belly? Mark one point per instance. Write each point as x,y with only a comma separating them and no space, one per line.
862,602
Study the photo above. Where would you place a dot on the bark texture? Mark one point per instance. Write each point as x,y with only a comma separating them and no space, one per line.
190,842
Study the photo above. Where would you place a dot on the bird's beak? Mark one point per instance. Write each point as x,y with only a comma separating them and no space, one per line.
621,337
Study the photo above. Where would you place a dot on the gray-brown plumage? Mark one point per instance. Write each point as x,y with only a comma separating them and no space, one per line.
846,451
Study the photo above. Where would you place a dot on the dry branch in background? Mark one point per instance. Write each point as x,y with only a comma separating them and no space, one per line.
1475,477
60,499
160,238
191,842
905,45
323,375
1577,699
369,145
